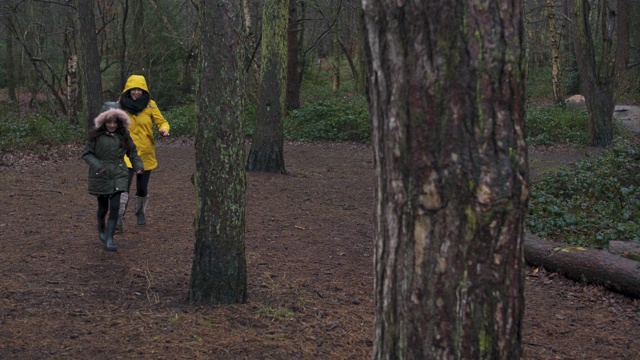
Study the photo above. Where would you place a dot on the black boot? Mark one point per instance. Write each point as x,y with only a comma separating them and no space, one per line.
102,228
109,245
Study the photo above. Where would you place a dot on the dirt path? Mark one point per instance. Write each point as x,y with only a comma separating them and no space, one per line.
310,268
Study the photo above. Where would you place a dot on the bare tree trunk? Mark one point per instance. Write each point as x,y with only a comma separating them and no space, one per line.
124,66
91,76
219,274
359,56
302,56
602,51
556,68
293,63
12,83
73,89
137,56
267,146
337,52
446,89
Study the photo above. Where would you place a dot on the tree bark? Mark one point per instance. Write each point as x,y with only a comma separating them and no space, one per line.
446,95
600,267
219,274
267,146
601,38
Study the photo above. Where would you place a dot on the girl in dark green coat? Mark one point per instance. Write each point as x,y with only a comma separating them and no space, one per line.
104,152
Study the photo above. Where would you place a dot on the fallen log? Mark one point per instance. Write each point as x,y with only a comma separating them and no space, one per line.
600,267
628,249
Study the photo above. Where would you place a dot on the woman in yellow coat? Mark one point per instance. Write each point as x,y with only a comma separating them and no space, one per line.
144,115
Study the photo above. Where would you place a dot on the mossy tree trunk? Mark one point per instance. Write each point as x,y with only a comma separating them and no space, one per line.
446,96
219,274
267,146
601,35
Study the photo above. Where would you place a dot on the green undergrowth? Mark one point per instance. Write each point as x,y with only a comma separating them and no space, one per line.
548,125
592,203
35,131
336,120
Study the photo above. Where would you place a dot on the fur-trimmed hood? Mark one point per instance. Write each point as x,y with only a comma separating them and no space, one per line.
119,114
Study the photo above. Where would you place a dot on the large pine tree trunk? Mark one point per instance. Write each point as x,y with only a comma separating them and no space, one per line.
267,146
219,274
446,92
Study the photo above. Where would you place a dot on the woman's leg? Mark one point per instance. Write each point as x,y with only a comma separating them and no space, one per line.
142,184
124,201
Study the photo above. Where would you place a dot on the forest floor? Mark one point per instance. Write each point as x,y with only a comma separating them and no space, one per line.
309,248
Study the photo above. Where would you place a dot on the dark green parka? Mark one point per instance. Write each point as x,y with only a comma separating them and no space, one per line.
106,150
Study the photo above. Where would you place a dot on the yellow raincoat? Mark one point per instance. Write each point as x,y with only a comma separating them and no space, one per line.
141,127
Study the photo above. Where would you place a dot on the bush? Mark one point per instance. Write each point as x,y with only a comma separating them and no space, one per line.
539,84
182,120
37,130
593,203
557,124
337,120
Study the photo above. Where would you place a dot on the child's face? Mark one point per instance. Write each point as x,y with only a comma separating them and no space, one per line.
111,125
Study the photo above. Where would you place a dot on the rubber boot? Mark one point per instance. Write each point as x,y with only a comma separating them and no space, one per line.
109,245
124,200
141,207
102,230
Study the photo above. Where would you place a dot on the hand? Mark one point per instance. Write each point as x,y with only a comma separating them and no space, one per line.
139,172
100,171
164,132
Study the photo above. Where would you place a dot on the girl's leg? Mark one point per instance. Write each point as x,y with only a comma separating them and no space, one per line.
114,206
103,207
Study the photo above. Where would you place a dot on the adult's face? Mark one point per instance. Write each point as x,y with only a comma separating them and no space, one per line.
135,93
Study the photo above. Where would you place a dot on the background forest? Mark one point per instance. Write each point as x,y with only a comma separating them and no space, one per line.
46,44
49,94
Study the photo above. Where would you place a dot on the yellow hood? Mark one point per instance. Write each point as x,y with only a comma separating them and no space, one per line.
136,81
